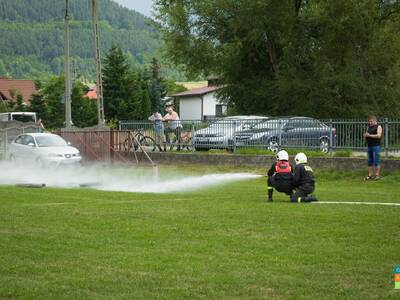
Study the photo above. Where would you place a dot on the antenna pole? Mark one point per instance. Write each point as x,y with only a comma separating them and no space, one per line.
99,82
67,96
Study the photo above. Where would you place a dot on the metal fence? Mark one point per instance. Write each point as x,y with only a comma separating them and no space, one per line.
325,135
10,130
133,137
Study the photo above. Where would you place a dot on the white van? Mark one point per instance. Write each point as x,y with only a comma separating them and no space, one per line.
18,116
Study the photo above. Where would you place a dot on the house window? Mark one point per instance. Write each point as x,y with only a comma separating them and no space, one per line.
218,110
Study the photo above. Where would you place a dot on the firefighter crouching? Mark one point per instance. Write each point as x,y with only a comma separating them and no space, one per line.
303,180
280,175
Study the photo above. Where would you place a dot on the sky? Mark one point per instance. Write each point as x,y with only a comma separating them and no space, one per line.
142,6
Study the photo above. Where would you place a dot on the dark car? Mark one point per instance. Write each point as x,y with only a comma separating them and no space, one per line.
280,132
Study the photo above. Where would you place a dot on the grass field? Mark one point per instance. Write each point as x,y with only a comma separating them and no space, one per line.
224,242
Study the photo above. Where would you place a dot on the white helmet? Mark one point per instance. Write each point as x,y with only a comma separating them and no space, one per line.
282,155
300,158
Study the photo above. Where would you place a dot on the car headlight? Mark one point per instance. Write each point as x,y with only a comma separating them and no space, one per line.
76,155
55,155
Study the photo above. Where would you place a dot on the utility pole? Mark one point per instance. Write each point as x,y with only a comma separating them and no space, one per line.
67,96
99,82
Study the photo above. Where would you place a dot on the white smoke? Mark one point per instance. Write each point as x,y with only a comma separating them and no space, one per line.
112,178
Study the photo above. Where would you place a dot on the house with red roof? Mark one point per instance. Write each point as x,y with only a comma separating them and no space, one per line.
92,93
200,103
10,87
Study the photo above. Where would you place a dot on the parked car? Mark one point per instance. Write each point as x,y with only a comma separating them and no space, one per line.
275,133
18,116
43,149
218,135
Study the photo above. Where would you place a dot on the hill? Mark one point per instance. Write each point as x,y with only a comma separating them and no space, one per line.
32,36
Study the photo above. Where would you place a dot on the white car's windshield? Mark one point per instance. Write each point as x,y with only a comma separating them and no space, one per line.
50,141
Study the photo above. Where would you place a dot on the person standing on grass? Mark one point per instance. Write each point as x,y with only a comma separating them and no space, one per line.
280,175
373,137
158,130
174,125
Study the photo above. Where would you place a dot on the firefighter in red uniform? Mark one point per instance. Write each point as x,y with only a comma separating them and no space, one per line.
280,175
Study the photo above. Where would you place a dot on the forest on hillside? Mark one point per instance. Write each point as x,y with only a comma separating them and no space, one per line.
32,37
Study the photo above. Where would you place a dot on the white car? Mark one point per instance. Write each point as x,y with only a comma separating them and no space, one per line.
43,149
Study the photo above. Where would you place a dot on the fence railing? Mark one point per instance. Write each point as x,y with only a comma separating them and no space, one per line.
326,135
269,133
10,130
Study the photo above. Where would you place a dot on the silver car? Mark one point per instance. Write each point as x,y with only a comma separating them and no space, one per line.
218,135
43,149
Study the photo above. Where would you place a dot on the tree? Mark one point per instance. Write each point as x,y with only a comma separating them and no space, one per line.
317,58
116,84
49,104
38,103
158,88
126,93
31,36
53,95
83,110
20,103
39,106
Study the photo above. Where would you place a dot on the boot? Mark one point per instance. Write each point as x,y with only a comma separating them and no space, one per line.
270,192
311,198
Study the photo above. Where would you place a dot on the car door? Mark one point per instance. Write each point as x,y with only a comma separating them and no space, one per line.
16,148
28,148
290,133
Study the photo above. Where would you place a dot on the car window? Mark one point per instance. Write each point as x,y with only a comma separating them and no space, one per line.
292,124
269,124
24,118
19,140
318,124
50,141
28,140
306,124
300,123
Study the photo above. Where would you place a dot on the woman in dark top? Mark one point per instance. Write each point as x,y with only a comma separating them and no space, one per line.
373,139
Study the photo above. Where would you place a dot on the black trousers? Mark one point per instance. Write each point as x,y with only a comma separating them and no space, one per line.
281,185
302,192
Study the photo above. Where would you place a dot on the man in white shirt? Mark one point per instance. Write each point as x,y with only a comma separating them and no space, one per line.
174,125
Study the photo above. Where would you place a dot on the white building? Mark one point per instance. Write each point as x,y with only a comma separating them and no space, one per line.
200,103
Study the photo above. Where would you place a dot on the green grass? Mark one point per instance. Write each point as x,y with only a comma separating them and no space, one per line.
224,242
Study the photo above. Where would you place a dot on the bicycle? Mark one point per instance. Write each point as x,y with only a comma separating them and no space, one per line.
137,140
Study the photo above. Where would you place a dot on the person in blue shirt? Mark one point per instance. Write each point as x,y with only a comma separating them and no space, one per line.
158,130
